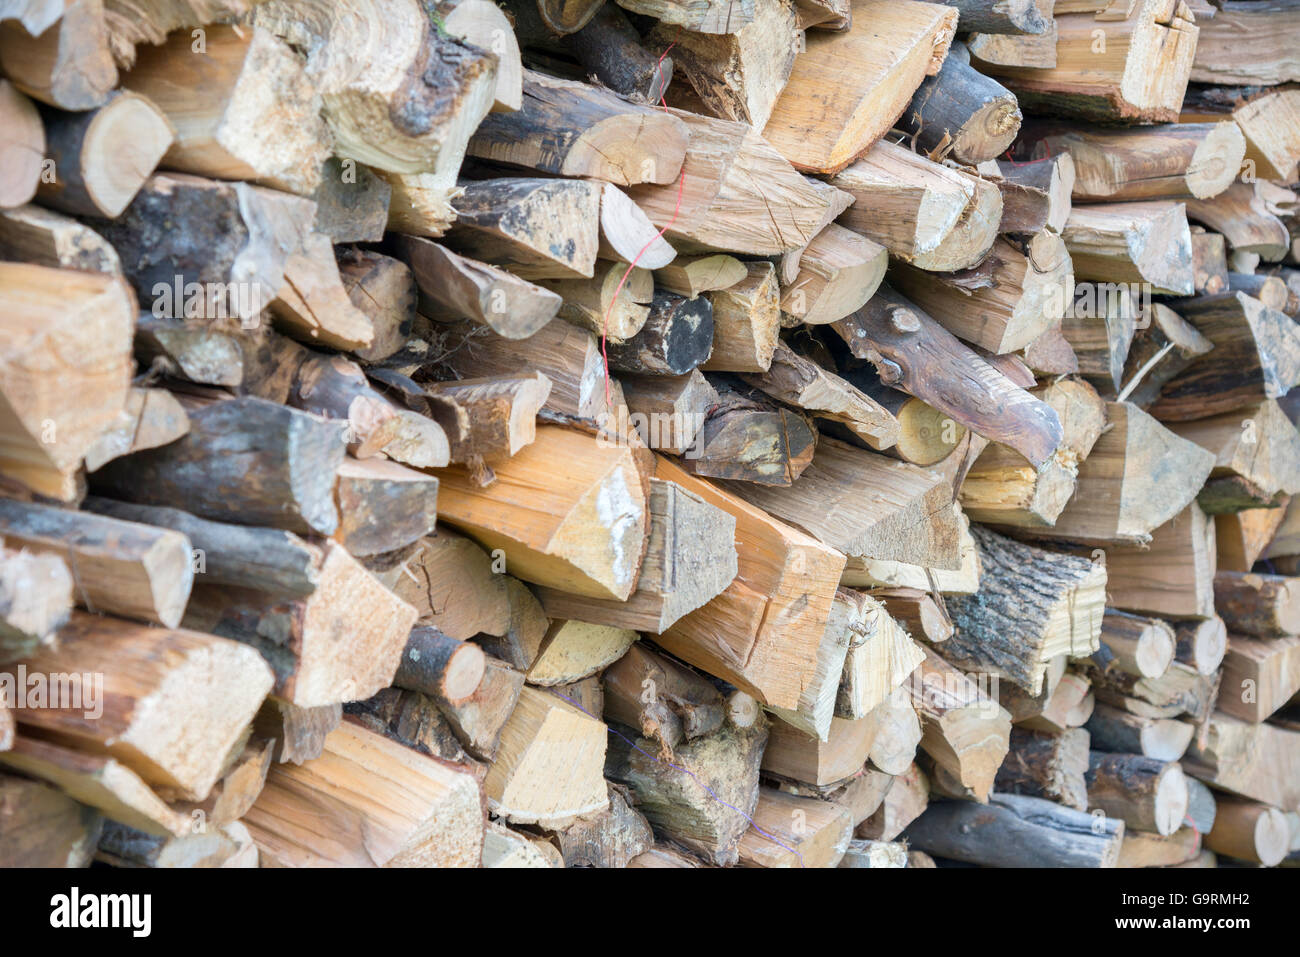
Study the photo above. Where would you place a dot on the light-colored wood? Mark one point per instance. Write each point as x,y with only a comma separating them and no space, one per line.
692,276
613,305
1263,605
1114,729
39,236
847,89
483,24
904,802
880,658
1132,242
797,755
43,827
1147,849
1172,575
1249,831
382,805
1243,44
68,65
1143,647
1259,676
1256,761
548,765
383,506
838,272
746,322
1257,456
36,596
1148,795
804,832
582,530
150,418
1248,216
1068,705
573,650
626,233
126,568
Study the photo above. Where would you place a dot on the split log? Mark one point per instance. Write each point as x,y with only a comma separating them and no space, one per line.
670,337
150,418
762,632
1267,606
1132,242
21,156
245,460
454,585
1015,831
1001,487
903,803
739,75
690,558
870,71
794,754
838,272
626,233
1070,704
573,650
1121,493
397,93
575,129
703,799
964,731
917,354
581,531
712,16
1259,677
1146,794
68,65
746,322
1050,766
672,409
351,203
1139,76
171,705
748,437
1178,161
265,559
343,642
899,734
1242,44
1209,257
122,567
879,659
743,196
1163,346
613,305
43,827
539,228
917,611
791,831
1256,356
1019,292
1267,118
1202,644
501,414
485,25
962,113
1146,849
1032,605
35,235
1251,832
865,505
1143,647
692,276
454,287
226,125
227,845
1179,691
1246,214
298,733
385,805
385,290
662,700
1036,193
609,47
1256,761
567,783
1099,327
1202,805
53,421
611,838
36,595
872,573
1162,739
479,719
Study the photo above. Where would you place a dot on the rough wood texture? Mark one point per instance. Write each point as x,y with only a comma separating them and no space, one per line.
1050,766
1146,794
962,113
1267,606
1256,761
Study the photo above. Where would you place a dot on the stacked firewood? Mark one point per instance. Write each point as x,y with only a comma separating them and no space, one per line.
653,433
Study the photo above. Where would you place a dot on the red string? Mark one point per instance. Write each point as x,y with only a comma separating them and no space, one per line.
681,185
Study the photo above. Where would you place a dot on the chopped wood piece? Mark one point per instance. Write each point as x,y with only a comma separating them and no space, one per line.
385,290
1256,761
584,534
1139,76
398,93
1256,356
298,733
847,89
661,699
1246,214
746,322
917,611
791,831
1056,710
1259,677
1132,242
672,409
1257,453
313,304
1050,766
690,558
611,838
226,845
1163,739
343,642
914,352
610,47
351,203
838,272
863,504
245,460
1163,345
383,805
68,65
573,650
1014,296
899,733
20,157
1146,794
1143,647
1250,832
612,305
749,437
1264,605
171,705
903,803
118,566
1035,193
739,195
797,755
1147,849
1202,644
962,113
1016,831
483,24
761,633
869,573
547,769
691,276
879,658
266,559
479,719
575,129
1014,17
626,233
37,590
43,238
964,731
443,668
150,418
1032,605
1243,44
539,228
43,827
711,16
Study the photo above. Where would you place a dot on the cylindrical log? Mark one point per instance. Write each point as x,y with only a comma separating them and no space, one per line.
442,667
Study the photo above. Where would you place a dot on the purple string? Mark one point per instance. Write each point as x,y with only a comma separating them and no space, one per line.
712,793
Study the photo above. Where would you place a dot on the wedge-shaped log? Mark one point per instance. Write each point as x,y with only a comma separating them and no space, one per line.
68,65
1132,242
1171,575
790,831
383,506
1259,676
1257,451
51,421
680,705
581,530
383,804
1248,216
838,272
871,71
173,702
244,460
1244,44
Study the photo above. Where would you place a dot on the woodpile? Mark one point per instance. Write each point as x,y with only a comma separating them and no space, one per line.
639,433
